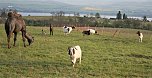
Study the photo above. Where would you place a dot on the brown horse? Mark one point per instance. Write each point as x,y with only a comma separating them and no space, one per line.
14,24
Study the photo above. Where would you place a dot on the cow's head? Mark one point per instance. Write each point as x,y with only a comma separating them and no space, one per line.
138,32
71,51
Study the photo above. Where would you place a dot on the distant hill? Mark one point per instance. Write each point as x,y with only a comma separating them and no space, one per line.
133,8
130,8
37,6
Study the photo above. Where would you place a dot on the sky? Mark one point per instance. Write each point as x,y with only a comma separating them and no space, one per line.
86,2
96,2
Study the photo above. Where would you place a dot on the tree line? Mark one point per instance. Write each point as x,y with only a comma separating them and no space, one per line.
92,20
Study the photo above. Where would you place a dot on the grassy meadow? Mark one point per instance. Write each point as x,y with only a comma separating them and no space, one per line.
103,56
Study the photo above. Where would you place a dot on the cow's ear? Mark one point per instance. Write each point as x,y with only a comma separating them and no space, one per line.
73,51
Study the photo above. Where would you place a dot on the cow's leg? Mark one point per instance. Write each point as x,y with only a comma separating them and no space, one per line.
141,39
15,38
74,61
80,60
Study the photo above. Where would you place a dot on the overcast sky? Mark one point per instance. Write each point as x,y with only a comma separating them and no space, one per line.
85,2
95,2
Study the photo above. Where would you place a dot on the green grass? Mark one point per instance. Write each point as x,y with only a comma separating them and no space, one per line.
103,56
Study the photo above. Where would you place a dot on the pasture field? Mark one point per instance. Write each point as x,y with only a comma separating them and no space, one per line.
103,56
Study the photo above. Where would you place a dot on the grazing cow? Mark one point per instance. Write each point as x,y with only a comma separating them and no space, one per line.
89,32
92,31
86,33
67,30
75,53
140,36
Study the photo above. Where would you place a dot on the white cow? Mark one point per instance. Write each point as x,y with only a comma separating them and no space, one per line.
89,32
140,36
92,31
67,29
75,53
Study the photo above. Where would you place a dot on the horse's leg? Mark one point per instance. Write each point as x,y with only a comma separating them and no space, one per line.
23,36
52,32
15,38
8,39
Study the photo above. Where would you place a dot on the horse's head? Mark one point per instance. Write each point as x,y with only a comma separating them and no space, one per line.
10,14
31,40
